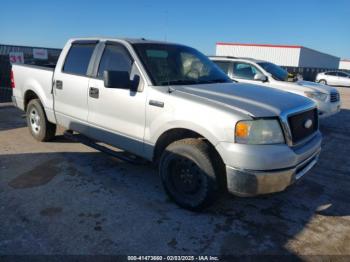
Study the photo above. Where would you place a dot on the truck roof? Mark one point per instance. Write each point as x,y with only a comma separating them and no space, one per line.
129,40
236,58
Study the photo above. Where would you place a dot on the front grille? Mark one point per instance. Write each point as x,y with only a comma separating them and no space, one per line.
298,125
335,97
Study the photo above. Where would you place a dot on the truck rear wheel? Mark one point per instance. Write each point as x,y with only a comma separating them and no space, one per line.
40,128
188,173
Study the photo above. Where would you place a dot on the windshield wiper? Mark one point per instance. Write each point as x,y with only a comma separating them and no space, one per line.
193,82
179,82
214,81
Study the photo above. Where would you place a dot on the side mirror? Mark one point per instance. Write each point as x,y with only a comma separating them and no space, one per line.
117,79
260,77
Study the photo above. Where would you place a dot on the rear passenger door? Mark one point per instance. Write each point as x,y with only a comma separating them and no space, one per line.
116,116
71,86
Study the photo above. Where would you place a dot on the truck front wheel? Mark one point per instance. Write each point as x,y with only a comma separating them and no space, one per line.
188,173
39,127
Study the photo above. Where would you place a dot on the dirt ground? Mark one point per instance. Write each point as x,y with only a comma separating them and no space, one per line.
63,197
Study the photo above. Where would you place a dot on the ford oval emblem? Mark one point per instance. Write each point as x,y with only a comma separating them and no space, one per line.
308,123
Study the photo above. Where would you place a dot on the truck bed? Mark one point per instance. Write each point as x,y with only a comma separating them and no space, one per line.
37,79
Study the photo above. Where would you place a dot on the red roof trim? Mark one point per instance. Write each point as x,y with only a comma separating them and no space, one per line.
261,45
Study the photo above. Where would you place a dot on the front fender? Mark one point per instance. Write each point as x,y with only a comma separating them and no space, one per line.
204,132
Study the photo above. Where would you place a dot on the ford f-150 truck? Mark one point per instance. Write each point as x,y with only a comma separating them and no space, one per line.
169,104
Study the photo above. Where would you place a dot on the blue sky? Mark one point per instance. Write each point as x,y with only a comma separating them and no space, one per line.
319,24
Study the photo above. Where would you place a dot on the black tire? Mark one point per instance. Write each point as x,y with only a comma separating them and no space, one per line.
39,127
322,81
188,173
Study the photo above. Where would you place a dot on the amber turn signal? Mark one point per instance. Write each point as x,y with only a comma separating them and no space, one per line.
242,129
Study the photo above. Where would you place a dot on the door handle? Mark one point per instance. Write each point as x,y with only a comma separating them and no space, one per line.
156,103
94,92
59,84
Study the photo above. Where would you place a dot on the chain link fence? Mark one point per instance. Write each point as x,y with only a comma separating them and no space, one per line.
309,73
5,94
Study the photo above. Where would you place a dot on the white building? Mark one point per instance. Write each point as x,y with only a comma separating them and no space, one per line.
283,55
344,64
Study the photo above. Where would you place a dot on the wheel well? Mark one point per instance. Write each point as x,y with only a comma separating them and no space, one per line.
171,136
176,134
29,95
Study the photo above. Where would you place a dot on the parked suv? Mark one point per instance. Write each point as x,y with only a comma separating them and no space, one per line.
333,78
171,105
247,70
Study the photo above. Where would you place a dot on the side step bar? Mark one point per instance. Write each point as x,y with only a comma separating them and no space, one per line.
124,156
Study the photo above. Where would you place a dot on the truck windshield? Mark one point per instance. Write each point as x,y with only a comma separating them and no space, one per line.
170,64
276,71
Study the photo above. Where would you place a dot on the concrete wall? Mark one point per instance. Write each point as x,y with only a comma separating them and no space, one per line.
283,56
313,58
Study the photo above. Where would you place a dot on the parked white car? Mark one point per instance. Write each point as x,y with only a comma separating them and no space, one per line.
264,73
333,78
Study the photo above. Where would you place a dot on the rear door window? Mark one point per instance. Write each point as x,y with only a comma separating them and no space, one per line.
78,59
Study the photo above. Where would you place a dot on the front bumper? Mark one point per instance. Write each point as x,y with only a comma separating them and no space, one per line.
261,169
251,182
326,109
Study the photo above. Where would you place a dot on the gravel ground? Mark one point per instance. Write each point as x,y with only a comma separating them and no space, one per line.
63,197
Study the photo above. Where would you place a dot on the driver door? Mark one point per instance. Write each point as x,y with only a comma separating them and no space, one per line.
117,116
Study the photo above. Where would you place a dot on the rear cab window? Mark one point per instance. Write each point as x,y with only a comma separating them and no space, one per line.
78,59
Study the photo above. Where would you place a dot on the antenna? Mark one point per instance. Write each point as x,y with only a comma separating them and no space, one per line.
166,24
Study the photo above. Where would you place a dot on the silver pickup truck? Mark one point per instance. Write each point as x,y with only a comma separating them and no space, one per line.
170,104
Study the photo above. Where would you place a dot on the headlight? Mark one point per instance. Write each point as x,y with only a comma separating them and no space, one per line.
257,132
317,95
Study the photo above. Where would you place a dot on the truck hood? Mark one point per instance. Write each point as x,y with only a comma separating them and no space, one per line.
301,86
253,100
